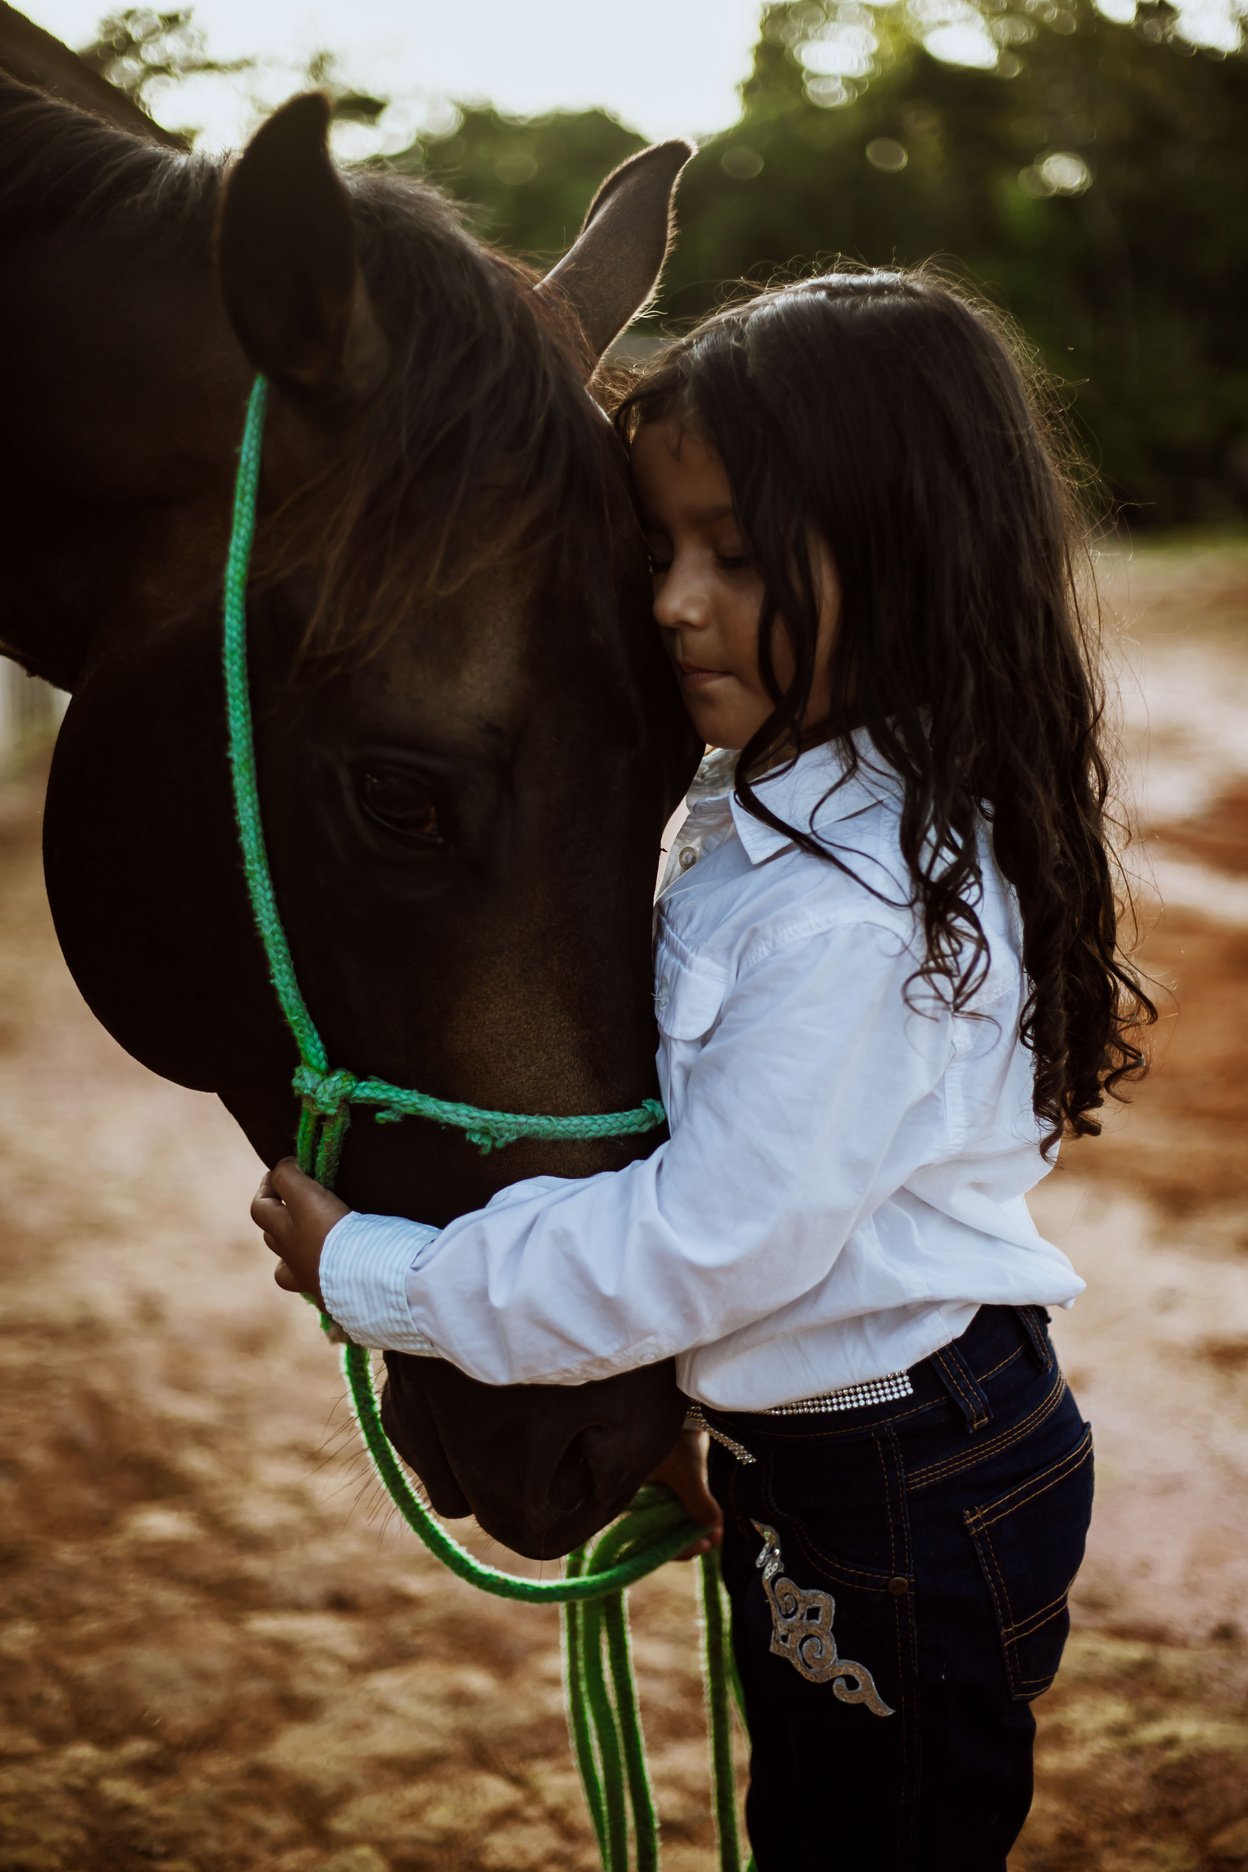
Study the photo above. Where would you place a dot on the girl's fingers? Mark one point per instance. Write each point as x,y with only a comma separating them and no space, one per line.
271,1217
286,1277
699,1548
288,1182
305,1201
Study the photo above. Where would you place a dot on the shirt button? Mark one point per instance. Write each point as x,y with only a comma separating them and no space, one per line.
897,1586
662,996
687,857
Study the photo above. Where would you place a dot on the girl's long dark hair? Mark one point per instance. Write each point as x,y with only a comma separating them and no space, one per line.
893,416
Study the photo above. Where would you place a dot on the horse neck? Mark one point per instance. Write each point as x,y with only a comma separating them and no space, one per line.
109,320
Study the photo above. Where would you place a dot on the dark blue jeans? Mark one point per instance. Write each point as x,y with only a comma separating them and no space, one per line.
898,1576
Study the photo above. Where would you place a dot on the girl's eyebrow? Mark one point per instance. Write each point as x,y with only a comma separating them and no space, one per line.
703,516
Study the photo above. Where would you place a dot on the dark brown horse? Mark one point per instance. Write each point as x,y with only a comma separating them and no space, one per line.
468,739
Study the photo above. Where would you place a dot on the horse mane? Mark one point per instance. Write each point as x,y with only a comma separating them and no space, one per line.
481,450
61,168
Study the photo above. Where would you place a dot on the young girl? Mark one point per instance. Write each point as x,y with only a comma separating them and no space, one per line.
887,985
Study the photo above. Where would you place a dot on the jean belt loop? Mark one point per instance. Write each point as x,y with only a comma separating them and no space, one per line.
1034,1320
962,1385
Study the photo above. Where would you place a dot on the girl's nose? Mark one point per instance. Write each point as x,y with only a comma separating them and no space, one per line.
680,598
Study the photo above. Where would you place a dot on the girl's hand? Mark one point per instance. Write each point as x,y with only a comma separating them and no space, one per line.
296,1214
684,1472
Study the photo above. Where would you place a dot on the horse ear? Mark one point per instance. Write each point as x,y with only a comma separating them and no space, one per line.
613,266
287,263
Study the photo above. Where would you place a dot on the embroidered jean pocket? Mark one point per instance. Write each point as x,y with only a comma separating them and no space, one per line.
1030,1543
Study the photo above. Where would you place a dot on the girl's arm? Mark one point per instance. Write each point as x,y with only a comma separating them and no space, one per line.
803,1112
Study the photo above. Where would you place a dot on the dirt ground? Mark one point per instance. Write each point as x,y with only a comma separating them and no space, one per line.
218,1650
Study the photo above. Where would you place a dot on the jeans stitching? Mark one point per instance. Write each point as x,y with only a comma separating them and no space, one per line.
1055,1473
994,1446
907,1661
952,1365
796,1434
954,1376
888,1506
952,1465
862,1580
992,1574
1017,1633
1007,1360
907,1673
1034,1327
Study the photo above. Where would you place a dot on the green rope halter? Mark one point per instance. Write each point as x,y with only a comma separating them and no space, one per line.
603,1715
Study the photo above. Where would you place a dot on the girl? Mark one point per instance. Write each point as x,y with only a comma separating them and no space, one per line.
888,983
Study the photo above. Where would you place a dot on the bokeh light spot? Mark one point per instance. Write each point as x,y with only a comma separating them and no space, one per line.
887,154
829,93
741,163
962,42
1065,173
1057,172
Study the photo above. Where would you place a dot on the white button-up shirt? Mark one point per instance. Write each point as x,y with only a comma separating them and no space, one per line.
844,1181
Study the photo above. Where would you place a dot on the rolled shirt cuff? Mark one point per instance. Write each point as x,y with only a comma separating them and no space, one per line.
365,1263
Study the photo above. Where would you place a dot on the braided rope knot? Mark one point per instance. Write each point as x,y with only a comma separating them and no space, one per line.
329,1093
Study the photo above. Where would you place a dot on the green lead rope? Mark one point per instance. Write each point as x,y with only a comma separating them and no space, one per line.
603,1715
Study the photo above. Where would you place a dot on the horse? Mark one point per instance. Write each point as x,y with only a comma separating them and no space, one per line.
468,737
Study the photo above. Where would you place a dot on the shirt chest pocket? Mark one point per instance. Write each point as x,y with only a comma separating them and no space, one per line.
687,999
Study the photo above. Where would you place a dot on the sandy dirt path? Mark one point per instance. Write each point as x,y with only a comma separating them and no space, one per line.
218,1651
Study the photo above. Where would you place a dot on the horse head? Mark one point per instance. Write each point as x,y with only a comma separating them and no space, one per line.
468,739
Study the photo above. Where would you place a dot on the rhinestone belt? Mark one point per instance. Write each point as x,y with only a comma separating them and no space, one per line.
849,1397
894,1384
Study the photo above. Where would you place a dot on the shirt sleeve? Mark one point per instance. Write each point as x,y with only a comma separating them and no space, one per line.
809,1103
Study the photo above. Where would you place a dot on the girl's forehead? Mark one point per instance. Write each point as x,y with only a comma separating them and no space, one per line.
675,469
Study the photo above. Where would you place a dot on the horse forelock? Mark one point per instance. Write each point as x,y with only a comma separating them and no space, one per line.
481,450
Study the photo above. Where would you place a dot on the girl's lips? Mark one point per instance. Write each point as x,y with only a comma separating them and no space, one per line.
690,673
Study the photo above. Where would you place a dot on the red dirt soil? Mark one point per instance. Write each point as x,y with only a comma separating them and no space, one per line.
220,1652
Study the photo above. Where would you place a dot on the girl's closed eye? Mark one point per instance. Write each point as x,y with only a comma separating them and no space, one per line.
658,549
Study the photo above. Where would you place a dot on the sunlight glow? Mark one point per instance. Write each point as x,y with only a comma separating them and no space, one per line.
1211,23
665,67
962,43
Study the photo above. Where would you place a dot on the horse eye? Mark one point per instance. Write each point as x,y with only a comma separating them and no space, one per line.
401,802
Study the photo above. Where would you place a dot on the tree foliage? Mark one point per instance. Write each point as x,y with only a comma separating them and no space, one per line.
1088,175
138,48
1092,184
1091,181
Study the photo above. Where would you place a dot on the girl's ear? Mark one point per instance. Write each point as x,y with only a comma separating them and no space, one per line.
612,268
287,264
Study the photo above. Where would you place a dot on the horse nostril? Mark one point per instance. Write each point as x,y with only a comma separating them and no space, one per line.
596,1473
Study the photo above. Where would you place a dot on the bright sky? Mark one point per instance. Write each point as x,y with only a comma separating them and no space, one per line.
667,67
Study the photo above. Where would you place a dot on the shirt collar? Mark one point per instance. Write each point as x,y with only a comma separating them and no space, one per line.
816,792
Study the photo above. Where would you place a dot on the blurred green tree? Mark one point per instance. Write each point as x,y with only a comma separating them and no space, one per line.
137,48
1086,173
1091,182
140,51
525,179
